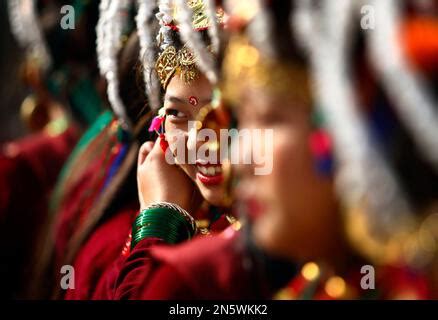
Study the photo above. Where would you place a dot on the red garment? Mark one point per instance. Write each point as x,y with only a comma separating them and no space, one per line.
102,248
220,267
28,171
30,167
78,196
105,243
205,268
400,282
98,263
74,209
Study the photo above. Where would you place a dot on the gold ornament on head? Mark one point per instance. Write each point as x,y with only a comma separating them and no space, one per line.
183,62
245,67
172,61
200,17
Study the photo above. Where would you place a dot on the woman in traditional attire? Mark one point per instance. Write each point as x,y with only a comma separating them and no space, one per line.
96,202
341,203
186,92
95,197
63,99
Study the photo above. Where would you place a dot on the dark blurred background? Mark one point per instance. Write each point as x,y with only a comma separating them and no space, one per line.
12,91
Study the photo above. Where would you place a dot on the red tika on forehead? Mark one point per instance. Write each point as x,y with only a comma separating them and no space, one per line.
193,101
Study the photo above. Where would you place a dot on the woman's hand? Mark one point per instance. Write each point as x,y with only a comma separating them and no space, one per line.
159,181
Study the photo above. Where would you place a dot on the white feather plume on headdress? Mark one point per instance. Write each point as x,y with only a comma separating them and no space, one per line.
213,30
26,29
205,60
165,18
414,106
362,174
109,31
147,50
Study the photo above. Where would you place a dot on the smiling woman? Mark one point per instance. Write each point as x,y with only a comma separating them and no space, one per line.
206,174
178,201
185,92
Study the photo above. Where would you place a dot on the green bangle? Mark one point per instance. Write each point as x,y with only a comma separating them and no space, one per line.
169,236
178,209
155,221
165,215
150,215
165,221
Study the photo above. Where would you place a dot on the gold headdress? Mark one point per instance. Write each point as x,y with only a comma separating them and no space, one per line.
245,66
200,18
183,62
173,61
